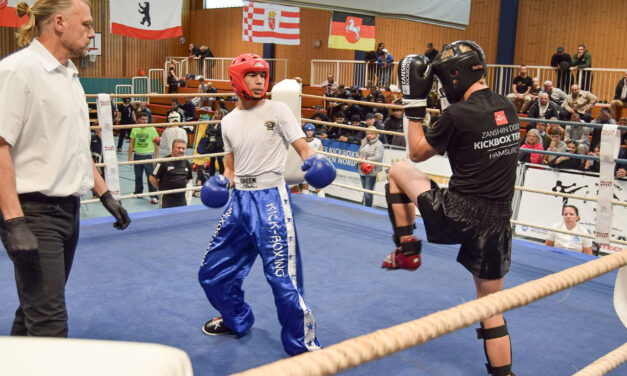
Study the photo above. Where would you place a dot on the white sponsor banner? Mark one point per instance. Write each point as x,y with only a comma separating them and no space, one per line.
109,156
546,210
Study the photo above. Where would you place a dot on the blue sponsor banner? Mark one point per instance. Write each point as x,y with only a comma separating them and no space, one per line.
341,148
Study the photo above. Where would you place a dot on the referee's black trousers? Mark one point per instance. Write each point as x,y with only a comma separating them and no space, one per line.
41,280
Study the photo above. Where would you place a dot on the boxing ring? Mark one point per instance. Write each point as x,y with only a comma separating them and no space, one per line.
141,285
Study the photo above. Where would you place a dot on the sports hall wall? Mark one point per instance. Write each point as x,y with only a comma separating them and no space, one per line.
542,26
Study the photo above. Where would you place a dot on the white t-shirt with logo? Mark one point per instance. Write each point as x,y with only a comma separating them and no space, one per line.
571,242
315,144
260,137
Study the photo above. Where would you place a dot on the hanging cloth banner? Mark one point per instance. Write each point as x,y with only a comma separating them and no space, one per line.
352,32
155,19
610,144
109,156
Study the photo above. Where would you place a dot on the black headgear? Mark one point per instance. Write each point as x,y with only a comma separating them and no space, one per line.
463,61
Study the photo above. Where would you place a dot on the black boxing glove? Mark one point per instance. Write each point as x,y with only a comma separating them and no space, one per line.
415,78
19,238
115,208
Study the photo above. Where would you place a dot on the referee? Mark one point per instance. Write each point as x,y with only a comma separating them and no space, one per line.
173,175
45,161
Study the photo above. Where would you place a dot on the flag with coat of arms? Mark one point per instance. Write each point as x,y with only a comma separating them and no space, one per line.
155,19
270,23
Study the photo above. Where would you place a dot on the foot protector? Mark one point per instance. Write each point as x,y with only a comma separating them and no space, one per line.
405,256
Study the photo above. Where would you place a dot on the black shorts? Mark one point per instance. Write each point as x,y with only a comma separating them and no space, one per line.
481,226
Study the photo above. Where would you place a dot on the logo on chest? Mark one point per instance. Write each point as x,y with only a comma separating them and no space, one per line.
270,125
500,118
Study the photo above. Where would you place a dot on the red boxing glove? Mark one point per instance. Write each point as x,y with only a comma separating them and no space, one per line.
157,140
366,168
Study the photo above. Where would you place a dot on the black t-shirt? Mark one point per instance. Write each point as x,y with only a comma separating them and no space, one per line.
481,136
126,113
522,83
173,174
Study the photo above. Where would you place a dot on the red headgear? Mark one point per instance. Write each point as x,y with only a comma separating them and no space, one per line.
242,65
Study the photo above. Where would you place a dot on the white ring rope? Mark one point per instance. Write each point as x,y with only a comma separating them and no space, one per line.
606,363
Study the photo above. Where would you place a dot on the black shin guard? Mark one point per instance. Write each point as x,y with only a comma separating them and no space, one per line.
493,333
398,198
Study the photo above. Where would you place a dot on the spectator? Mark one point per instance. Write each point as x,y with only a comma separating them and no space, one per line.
592,165
546,139
570,213
141,107
578,101
126,116
395,124
321,129
174,82
330,86
382,110
544,108
315,144
521,86
202,89
350,135
171,133
556,145
175,107
215,144
96,148
189,112
355,93
371,65
385,63
567,163
562,63
534,93
173,175
532,141
334,132
319,114
341,92
371,121
431,52
620,98
579,134
556,95
581,61
602,118
371,149
143,147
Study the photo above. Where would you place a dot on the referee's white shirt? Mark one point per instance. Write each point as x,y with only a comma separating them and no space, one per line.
260,137
45,118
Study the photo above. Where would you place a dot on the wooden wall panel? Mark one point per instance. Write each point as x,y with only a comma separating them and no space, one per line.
545,25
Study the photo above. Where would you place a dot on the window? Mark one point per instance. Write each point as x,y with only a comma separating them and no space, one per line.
214,4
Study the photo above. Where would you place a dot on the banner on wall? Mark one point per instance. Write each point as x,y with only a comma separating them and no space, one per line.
8,13
546,210
155,19
270,23
352,32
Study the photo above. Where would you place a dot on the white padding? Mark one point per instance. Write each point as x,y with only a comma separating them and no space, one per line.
620,295
26,356
288,92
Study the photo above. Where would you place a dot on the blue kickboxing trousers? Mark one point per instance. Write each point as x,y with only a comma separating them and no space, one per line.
259,222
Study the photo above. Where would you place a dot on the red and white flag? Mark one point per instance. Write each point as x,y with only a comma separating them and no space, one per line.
154,19
8,15
270,23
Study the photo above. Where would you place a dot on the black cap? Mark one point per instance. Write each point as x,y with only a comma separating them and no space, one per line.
560,49
355,117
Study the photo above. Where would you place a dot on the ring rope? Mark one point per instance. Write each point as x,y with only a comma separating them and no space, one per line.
155,160
159,95
606,363
356,351
365,103
353,127
139,195
159,125
567,122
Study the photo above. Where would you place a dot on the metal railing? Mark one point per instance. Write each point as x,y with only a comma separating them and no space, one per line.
156,81
600,81
140,86
122,89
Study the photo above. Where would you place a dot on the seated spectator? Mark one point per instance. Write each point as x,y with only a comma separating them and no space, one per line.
546,139
521,86
341,92
330,86
350,135
578,101
532,141
175,107
556,95
570,214
382,110
534,93
351,110
321,129
621,168
556,145
592,165
543,108
579,134
189,113
333,133
171,133
620,98
568,163
602,118
173,175
319,114
371,149
371,121
395,124
203,88
141,107
355,93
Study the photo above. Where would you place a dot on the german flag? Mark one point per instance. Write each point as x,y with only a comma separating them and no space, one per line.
352,32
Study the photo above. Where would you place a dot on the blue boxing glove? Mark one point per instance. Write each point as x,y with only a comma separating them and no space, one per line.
319,171
215,191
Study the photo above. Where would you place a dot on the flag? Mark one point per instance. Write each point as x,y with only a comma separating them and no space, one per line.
8,15
155,19
270,23
352,32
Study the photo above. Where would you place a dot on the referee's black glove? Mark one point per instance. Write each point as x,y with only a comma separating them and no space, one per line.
19,238
115,208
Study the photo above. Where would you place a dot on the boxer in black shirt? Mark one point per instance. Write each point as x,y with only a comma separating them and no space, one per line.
480,133
173,175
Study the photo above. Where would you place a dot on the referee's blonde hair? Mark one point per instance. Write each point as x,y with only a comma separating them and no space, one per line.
39,15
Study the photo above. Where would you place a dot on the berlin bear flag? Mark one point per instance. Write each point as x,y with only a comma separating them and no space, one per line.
8,14
155,19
